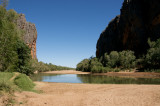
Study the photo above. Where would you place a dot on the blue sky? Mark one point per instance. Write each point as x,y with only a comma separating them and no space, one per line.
68,30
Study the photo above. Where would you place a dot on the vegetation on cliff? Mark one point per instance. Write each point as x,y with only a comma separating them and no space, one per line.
129,31
152,59
138,21
124,60
14,53
109,62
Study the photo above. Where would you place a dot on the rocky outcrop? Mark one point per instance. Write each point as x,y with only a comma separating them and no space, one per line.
30,33
138,21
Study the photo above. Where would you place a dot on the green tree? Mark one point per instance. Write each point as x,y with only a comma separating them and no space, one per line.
106,59
14,53
4,3
8,38
127,59
95,65
24,58
83,65
113,59
152,58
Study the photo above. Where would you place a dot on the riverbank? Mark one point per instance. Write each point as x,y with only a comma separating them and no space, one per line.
120,74
69,94
67,72
65,94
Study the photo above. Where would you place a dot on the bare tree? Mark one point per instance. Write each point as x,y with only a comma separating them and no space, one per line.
4,3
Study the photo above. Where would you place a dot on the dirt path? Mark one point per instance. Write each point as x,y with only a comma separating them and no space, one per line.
15,75
63,94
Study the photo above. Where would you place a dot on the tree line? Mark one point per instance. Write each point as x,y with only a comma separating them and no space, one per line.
124,60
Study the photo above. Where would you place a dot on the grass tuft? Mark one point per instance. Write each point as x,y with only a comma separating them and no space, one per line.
24,82
7,86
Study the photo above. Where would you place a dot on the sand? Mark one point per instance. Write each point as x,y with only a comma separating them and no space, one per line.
66,94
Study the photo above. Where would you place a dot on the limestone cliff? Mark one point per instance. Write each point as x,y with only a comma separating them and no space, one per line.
30,33
138,21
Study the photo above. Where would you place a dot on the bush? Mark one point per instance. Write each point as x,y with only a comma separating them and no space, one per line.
42,67
152,58
83,65
95,65
107,63
111,60
24,82
7,86
105,60
6,76
127,59
24,58
114,59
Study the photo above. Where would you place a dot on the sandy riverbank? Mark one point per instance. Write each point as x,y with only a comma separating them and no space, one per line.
123,74
63,94
67,72
66,94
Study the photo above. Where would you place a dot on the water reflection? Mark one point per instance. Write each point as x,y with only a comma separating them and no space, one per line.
64,78
95,79
117,80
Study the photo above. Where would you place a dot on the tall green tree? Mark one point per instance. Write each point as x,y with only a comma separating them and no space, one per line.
127,59
4,3
113,59
8,38
14,53
83,65
152,58
23,63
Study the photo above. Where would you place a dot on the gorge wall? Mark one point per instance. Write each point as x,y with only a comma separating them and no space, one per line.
138,21
30,33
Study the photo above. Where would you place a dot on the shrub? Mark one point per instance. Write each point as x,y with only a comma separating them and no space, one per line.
105,60
113,59
106,69
6,86
24,58
83,65
127,59
107,63
152,58
95,65
24,82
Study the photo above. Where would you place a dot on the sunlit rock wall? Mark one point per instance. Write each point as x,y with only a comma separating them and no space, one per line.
30,34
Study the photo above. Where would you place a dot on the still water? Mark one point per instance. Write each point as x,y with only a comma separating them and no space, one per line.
94,79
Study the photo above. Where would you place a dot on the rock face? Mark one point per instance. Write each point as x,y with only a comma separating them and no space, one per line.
138,21
30,33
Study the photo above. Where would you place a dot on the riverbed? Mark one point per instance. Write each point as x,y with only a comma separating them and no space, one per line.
80,94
